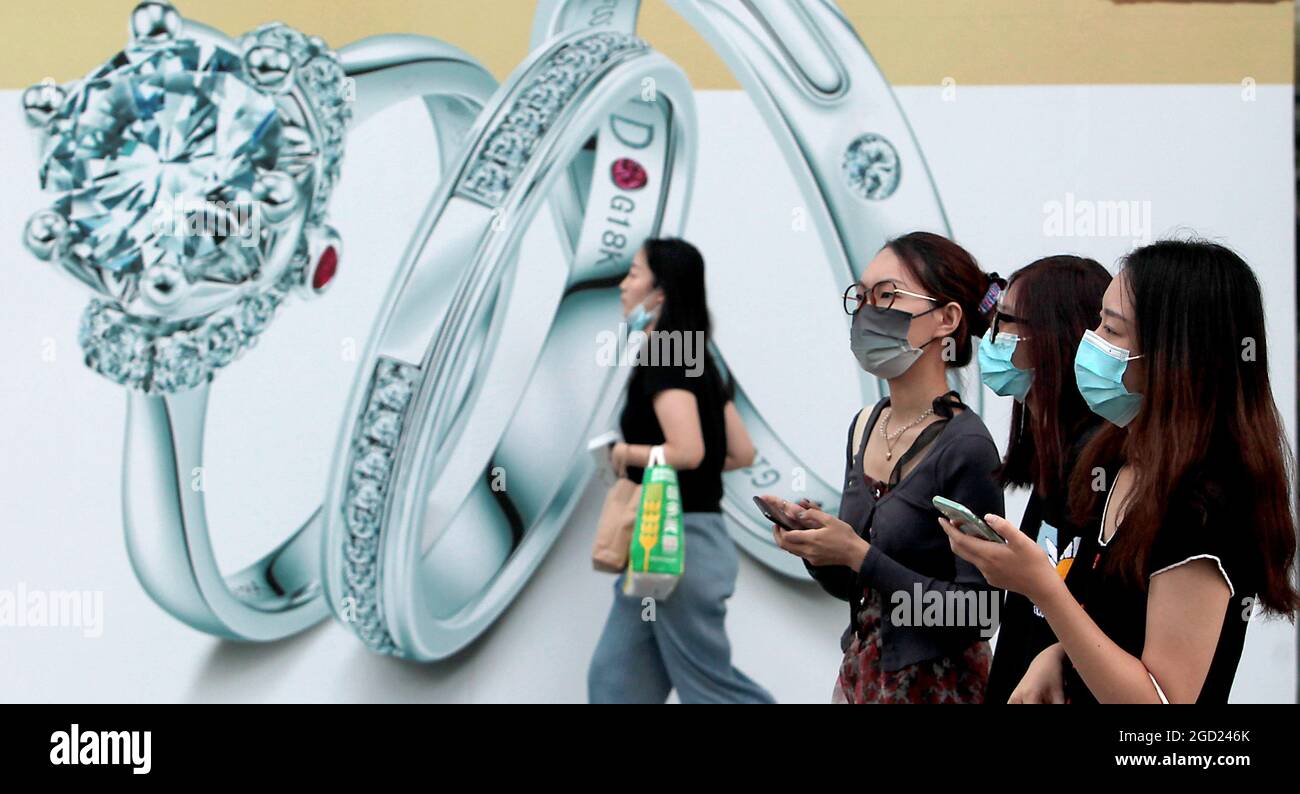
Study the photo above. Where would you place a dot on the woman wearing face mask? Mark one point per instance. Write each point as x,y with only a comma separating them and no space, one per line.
1028,355
682,405
914,311
1186,488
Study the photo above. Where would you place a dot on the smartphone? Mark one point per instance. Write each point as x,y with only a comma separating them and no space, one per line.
599,447
777,517
965,520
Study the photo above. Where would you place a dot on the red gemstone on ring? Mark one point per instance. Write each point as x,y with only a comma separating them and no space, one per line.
326,267
628,174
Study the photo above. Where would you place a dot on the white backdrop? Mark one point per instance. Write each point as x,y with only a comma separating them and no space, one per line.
1203,158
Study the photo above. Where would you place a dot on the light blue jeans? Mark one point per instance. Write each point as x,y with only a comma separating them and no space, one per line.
685,646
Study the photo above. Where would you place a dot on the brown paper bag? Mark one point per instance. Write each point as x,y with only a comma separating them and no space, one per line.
614,530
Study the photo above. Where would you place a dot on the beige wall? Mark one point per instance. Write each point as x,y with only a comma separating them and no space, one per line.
916,42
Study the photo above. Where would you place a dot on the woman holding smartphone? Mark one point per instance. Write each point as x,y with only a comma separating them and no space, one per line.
684,407
1187,488
1028,355
914,311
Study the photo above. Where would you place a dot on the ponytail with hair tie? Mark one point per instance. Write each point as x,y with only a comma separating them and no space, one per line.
949,274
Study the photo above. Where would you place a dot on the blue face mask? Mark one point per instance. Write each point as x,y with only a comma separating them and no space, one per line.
1099,370
639,317
1004,378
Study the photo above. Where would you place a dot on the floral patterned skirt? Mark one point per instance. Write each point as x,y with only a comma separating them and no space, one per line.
949,679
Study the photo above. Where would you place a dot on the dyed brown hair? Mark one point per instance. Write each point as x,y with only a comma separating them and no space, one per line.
1209,429
949,274
1059,298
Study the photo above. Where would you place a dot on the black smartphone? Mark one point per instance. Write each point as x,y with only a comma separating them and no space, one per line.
776,516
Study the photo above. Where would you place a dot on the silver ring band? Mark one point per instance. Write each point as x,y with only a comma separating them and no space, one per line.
165,519
845,139
442,503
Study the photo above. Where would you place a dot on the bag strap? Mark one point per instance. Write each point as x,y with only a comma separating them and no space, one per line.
859,428
656,457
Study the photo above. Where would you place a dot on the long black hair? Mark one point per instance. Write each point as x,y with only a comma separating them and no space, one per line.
678,269
1059,299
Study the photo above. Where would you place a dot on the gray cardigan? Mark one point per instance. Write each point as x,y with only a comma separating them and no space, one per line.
908,547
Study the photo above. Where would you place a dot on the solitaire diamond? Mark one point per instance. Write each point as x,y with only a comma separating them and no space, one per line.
157,130
189,184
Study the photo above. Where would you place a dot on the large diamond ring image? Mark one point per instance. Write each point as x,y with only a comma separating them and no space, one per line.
189,179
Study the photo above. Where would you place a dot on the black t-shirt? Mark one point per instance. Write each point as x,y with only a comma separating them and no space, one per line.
1023,631
701,487
1201,523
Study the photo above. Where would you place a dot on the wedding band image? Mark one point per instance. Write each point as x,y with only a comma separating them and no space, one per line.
442,504
854,159
191,175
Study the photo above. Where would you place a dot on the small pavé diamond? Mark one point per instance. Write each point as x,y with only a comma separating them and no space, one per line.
121,354
526,120
563,77
545,97
392,394
383,427
362,578
510,147
179,364
258,311
224,342
361,523
360,550
489,180
541,101
871,167
373,465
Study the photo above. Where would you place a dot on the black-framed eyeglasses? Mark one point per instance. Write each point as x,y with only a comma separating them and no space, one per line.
1001,318
881,296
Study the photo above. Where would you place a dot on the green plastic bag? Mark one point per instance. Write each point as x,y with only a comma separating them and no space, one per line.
657,556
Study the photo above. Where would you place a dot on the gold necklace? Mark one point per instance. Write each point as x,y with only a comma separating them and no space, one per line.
890,441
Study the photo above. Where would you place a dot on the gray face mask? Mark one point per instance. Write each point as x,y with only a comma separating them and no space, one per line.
878,339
